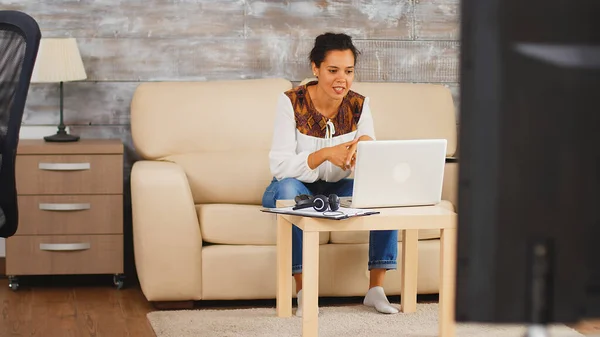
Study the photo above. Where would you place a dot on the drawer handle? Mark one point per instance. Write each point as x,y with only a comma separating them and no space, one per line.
64,166
64,246
64,207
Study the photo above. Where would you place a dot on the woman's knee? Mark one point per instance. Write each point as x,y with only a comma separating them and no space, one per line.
345,187
289,188
285,189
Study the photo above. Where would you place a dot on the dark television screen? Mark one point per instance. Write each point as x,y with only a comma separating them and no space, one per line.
529,161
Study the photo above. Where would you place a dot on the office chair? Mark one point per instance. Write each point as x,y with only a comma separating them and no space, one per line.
19,42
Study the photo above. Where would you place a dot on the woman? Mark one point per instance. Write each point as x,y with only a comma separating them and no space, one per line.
317,128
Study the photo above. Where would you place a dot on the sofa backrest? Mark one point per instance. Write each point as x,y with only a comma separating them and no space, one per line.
411,111
220,132
170,118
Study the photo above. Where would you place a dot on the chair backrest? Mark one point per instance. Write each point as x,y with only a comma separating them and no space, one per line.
19,42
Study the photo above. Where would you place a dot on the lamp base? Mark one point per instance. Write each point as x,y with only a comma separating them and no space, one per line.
61,136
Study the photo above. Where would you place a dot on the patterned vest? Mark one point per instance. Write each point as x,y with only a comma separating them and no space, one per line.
311,123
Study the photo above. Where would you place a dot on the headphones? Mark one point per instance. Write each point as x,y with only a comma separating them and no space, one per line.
319,202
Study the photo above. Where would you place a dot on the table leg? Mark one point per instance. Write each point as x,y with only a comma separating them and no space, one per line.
310,284
410,261
447,282
284,268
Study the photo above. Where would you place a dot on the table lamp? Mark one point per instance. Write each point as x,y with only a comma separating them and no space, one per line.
58,60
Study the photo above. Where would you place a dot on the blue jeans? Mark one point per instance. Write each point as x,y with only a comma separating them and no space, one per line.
383,244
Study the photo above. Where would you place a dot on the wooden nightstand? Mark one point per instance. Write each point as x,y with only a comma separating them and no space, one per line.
70,210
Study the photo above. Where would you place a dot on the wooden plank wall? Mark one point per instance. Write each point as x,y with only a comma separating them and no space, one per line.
125,42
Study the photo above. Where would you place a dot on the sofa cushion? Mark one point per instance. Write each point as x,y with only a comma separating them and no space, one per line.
239,225
251,271
363,236
233,177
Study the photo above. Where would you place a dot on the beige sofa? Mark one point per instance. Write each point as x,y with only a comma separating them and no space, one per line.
197,229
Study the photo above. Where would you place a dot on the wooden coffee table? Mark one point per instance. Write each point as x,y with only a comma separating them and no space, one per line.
409,220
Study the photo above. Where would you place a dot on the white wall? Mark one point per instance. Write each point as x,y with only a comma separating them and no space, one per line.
30,132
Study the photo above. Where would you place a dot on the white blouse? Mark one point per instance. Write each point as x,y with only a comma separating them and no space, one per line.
290,148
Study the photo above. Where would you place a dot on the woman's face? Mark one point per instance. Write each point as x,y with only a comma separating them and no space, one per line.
336,73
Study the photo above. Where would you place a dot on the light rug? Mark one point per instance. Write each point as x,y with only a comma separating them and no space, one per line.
354,320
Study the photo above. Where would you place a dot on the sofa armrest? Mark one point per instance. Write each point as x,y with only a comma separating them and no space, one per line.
166,234
450,185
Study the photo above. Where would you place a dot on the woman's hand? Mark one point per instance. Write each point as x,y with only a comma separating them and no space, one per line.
351,156
338,154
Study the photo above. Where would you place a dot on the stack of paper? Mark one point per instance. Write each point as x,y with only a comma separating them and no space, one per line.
341,213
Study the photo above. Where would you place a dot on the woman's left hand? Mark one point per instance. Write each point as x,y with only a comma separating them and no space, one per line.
351,158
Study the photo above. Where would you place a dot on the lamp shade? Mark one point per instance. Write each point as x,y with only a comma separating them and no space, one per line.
58,60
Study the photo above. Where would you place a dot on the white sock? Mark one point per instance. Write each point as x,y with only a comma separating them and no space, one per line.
299,310
376,298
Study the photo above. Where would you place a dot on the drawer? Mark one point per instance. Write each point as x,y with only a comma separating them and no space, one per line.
70,214
70,254
69,174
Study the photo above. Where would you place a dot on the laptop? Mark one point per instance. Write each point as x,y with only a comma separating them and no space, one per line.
397,173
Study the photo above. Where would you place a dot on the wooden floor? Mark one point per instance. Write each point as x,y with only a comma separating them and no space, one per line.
50,307
73,311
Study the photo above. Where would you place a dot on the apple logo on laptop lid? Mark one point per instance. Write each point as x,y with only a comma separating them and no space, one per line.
401,172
